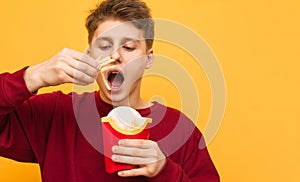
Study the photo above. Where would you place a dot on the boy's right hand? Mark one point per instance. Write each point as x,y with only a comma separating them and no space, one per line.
68,66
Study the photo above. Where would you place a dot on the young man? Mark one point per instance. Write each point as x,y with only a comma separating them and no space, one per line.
62,132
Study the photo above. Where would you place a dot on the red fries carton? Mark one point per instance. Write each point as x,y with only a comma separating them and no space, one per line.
122,123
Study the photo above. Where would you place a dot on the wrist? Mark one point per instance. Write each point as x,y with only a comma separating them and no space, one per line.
32,80
168,172
161,166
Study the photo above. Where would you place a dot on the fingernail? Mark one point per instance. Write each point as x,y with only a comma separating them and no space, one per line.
113,148
121,142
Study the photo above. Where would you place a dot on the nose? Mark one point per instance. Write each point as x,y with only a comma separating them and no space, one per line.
115,54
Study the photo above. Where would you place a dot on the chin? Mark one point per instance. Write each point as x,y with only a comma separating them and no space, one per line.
116,99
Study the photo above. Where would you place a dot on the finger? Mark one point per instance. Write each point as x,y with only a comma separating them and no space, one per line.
64,77
138,143
78,82
133,172
82,57
81,66
78,76
89,60
131,159
131,151
87,69
83,77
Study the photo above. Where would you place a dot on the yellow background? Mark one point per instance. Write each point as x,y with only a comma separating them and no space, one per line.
256,42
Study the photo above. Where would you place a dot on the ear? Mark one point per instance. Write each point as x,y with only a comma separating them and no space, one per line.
150,59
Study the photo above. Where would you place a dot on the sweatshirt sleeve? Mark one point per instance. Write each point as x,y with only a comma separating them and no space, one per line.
197,167
190,163
13,91
13,141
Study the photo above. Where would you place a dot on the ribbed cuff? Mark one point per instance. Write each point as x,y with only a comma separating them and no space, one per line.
14,88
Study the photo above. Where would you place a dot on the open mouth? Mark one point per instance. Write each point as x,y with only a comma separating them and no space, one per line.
112,77
115,79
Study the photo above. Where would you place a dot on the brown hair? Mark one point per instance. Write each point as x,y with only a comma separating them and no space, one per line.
135,11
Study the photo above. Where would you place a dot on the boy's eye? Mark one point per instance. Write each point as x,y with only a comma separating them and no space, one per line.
128,48
105,47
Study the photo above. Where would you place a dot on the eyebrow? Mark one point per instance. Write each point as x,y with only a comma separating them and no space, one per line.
126,39
104,38
123,41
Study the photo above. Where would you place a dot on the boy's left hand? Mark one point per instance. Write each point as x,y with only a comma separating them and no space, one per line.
145,153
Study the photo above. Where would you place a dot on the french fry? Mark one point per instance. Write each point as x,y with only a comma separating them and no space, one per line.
105,82
102,71
110,60
103,62
127,127
99,60
107,68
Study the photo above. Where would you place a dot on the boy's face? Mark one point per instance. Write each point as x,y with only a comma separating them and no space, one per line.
126,44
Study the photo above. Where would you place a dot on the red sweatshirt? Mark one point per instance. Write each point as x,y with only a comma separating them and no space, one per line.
62,132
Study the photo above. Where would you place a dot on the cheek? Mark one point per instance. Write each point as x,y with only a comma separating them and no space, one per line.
137,54
135,70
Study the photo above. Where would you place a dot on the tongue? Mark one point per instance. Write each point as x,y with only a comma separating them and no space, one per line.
116,81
